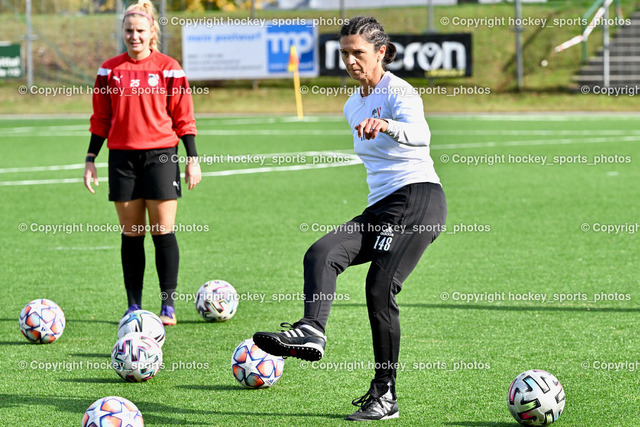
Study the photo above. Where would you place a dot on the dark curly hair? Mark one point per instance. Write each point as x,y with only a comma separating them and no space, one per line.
370,30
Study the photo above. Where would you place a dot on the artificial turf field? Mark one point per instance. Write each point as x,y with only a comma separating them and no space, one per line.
515,232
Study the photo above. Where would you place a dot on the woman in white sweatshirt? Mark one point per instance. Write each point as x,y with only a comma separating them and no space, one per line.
406,212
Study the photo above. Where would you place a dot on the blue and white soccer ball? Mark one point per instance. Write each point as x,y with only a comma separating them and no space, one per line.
536,398
112,411
142,321
217,301
42,321
253,368
136,357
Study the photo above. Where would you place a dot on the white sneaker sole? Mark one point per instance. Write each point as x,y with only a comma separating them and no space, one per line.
392,416
310,351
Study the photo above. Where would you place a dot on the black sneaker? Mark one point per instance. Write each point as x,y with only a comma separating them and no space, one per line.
375,407
301,341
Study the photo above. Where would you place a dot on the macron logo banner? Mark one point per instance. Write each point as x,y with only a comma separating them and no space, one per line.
418,55
224,52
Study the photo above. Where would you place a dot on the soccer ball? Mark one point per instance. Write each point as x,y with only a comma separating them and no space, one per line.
112,411
253,368
142,321
536,398
42,321
136,357
217,301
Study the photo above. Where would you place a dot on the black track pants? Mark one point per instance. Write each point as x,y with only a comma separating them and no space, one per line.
392,234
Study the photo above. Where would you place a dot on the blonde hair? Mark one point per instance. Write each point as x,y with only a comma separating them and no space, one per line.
147,10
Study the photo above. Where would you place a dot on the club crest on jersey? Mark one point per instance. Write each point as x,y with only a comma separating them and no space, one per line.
154,79
376,112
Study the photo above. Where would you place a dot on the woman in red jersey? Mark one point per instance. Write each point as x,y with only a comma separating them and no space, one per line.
142,106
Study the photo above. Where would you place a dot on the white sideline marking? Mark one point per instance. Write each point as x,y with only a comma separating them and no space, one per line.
43,181
71,130
354,161
537,132
24,129
578,115
49,168
536,142
281,168
104,165
277,132
301,132
268,120
83,129
556,117
345,132
222,132
53,132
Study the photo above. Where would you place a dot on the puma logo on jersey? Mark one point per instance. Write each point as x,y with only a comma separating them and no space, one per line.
116,78
175,184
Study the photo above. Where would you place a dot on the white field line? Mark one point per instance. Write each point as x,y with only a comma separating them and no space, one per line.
44,130
248,120
537,132
204,155
523,143
38,131
555,117
541,116
68,131
43,182
204,174
353,161
275,132
537,142
49,168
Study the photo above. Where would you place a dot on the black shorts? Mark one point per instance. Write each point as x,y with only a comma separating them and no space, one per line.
144,174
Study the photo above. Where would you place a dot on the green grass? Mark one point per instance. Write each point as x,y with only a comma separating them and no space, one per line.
527,220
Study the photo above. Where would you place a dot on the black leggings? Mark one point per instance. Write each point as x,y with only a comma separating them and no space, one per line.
392,234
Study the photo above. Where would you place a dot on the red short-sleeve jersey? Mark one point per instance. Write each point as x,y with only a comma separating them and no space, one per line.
140,105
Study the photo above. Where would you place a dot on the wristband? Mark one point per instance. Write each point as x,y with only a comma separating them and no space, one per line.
90,159
95,144
189,141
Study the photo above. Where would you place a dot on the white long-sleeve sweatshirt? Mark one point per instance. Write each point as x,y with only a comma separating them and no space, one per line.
399,156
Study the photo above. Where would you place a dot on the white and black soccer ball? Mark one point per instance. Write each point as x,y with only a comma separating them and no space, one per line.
136,357
112,411
142,321
536,398
254,368
42,321
217,301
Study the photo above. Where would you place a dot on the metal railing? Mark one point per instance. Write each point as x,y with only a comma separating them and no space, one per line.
586,18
